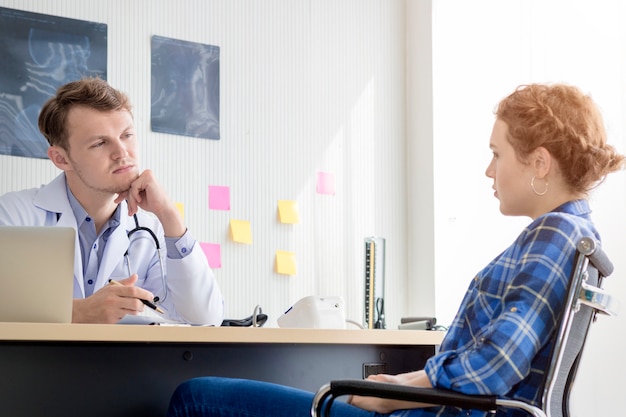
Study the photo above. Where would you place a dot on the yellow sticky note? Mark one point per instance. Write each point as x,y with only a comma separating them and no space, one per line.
288,211
181,209
240,231
285,262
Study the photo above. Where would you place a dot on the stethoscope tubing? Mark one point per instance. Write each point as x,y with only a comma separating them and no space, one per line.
158,250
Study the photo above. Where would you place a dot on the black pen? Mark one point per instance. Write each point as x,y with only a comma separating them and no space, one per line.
145,302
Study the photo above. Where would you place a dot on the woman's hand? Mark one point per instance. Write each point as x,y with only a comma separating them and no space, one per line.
385,406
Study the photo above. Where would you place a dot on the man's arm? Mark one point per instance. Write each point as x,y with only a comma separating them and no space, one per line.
195,293
196,296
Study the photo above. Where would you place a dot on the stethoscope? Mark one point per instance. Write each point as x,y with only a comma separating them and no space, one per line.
158,250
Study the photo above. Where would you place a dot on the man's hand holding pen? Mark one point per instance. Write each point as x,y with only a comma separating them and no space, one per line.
112,302
144,301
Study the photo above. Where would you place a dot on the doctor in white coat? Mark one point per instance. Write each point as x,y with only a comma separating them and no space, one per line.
104,196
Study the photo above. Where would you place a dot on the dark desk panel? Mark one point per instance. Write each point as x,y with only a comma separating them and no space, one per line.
134,378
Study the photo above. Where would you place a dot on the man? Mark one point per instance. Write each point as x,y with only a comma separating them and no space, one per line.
89,126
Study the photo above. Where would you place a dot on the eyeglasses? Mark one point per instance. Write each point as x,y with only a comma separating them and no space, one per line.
158,251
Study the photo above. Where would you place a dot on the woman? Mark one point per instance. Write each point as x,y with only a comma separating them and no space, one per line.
549,150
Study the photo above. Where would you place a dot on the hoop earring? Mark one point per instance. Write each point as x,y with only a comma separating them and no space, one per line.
532,185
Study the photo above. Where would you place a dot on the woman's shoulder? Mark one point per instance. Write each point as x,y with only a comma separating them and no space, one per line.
560,220
572,215
559,228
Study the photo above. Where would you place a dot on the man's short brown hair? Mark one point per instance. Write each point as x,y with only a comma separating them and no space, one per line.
93,93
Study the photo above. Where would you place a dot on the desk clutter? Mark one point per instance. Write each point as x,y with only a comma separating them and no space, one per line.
257,319
418,323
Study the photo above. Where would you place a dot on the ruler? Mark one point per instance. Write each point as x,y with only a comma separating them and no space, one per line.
374,282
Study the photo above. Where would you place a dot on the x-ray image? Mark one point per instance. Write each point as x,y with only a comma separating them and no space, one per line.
39,54
185,88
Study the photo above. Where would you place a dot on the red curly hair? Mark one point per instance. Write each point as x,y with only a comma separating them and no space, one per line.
568,124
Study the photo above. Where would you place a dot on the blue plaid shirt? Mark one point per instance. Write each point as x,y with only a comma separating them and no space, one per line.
499,341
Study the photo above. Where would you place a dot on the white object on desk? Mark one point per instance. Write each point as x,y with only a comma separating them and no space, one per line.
315,312
148,316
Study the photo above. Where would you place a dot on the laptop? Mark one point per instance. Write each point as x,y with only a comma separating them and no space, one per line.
36,274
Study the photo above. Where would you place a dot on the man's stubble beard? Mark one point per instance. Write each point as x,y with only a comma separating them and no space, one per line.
113,189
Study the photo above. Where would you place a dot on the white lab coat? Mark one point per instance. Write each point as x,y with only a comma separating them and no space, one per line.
193,293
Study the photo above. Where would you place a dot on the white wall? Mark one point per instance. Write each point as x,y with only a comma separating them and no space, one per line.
420,159
481,51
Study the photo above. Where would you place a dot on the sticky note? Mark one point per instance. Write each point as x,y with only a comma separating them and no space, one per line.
285,262
240,231
213,253
181,209
325,183
219,197
288,211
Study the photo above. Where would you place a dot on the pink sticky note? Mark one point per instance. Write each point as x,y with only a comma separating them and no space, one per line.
325,183
219,197
213,253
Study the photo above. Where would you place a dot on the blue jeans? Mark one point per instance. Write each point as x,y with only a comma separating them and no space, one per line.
226,397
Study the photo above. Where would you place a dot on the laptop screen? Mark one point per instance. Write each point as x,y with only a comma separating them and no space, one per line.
36,274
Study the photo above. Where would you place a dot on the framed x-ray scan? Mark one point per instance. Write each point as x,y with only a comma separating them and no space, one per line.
39,53
185,88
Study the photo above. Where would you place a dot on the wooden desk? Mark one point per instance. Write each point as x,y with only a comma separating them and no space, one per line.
114,370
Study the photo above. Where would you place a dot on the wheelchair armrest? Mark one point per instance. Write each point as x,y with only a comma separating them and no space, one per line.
325,396
415,394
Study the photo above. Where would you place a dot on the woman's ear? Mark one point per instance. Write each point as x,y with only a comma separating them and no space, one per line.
59,158
542,162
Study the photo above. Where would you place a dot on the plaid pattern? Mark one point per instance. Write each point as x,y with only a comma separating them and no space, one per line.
498,342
